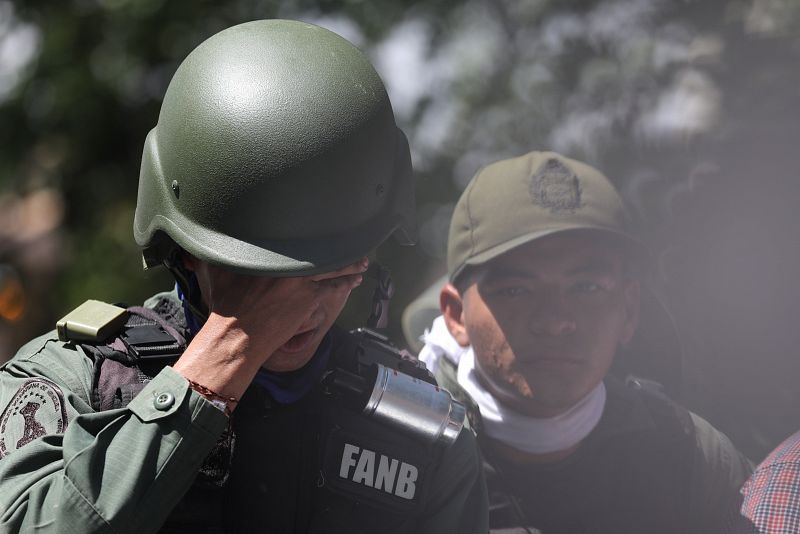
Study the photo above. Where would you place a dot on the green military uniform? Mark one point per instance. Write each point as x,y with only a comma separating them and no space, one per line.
68,468
276,154
113,471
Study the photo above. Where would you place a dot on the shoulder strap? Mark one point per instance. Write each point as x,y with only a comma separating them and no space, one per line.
660,405
128,358
678,439
364,347
144,336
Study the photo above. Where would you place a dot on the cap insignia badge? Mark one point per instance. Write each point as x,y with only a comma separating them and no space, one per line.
555,187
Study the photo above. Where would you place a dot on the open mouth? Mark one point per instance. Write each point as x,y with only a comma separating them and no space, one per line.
299,341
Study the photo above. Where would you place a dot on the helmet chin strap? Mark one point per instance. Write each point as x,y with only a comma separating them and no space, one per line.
183,277
383,292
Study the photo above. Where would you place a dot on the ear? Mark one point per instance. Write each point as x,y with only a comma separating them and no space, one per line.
452,306
631,295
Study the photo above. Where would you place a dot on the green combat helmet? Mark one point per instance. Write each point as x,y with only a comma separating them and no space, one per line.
276,153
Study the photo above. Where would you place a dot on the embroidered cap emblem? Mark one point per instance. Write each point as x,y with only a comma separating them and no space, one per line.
36,409
555,187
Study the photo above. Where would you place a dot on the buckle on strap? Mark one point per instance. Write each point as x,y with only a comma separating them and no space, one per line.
150,341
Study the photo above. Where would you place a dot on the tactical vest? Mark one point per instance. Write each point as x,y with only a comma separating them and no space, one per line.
644,478
311,466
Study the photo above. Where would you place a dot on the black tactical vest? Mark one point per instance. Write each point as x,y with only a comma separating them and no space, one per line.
624,479
311,466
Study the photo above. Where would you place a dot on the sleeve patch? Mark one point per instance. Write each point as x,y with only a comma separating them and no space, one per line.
37,409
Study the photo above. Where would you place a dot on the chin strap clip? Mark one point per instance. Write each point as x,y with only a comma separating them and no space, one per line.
383,292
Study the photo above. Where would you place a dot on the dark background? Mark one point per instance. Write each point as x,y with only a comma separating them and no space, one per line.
690,107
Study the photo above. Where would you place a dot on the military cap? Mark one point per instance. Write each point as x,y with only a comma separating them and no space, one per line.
515,201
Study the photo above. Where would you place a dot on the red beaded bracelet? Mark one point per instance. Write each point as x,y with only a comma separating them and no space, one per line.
212,396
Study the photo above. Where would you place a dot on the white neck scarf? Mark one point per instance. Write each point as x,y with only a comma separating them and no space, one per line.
530,434
439,343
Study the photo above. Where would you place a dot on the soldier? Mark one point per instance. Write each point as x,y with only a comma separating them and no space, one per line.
232,404
543,295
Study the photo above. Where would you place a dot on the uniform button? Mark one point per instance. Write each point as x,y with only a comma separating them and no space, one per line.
164,401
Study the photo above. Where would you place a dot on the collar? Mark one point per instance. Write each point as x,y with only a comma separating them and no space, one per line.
192,323
291,386
532,435
440,345
624,413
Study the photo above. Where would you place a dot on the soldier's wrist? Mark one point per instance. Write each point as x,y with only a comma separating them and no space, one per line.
225,403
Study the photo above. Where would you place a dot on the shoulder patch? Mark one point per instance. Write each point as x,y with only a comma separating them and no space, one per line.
35,410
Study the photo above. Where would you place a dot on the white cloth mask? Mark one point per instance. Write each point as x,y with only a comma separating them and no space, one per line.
525,433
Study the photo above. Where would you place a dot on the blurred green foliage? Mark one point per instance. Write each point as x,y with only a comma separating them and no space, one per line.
689,106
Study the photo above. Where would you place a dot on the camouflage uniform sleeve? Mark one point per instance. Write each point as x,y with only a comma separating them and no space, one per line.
458,501
720,470
66,468
447,377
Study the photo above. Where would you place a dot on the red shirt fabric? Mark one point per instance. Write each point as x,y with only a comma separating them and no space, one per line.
771,497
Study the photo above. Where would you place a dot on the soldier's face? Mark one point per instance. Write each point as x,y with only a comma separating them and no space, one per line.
546,319
301,347
292,313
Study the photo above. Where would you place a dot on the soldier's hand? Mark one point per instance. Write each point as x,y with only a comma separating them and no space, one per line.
272,311
255,319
